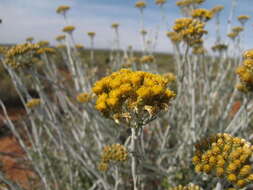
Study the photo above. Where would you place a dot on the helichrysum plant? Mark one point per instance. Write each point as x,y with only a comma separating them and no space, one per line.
21,55
187,187
245,72
202,14
132,96
191,30
112,153
226,157
35,102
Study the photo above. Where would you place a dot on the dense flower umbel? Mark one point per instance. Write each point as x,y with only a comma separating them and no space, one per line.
202,14
175,38
112,153
245,71
91,34
33,103
147,59
132,97
185,3
243,18
46,50
219,47
217,9
188,187
83,97
191,30
30,39
237,29
140,4
68,29
115,25
160,2
62,9
43,43
60,38
21,55
223,155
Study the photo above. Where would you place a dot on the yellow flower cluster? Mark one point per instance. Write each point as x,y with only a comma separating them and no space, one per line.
191,30
223,155
43,43
91,34
232,35
143,32
245,72
33,103
175,38
147,59
131,96
3,50
61,46
243,18
202,14
237,29
140,4
188,187
45,50
83,97
160,2
115,25
68,29
220,47
170,77
60,38
198,50
21,55
79,46
30,39
62,9
217,9
115,152
186,3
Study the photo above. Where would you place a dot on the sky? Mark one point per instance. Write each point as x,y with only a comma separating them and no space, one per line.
38,18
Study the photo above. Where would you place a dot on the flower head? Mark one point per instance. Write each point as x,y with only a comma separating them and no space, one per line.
83,97
68,29
62,9
160,2
33,103
91,34
112,153
245,71
202,14
60,38
147,59
140,4
115,25
129,96
187,187
217,9
223,155
243,19
30,39
190,30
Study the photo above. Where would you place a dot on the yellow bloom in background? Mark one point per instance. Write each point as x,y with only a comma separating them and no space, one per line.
243,19
187,187
79,46
91,34
115,25
237,29
245,72
126,93
21,55
112,154
186,3
62,9
147,59
68,29
46,50
202,14
140,4
217,9
175,38
160,2
43,43
191,30
83,97
33,103
30,39
223,155
60,38
219,47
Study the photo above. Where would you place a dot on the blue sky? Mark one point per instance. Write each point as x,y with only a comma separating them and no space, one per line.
37,18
